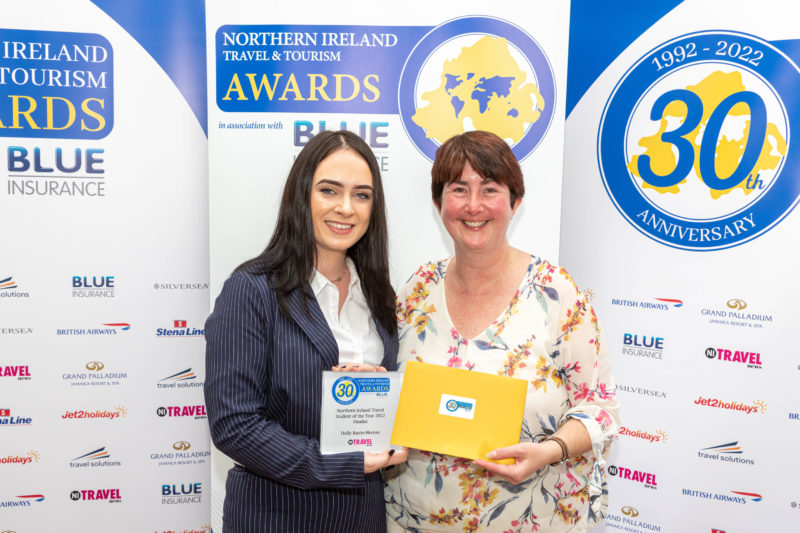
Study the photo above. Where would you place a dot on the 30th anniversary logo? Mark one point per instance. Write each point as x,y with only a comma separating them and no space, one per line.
694,142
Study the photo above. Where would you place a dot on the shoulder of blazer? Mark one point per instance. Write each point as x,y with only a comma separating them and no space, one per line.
260,290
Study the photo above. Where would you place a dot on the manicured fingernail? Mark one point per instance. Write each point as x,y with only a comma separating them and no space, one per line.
491,455
391,453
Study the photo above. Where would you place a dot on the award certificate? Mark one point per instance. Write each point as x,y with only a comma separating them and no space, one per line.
358,410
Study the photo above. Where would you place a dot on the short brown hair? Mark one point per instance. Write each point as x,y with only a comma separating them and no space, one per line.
488,154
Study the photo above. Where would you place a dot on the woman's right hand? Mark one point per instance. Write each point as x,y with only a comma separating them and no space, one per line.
375,461
357,367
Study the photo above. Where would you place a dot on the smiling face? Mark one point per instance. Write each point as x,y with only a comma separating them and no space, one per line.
476,212
341,202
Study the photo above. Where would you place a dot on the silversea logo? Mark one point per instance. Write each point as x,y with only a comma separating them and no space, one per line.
641,391
16,331
185,286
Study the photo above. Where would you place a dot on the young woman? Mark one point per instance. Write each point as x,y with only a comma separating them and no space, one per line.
318,297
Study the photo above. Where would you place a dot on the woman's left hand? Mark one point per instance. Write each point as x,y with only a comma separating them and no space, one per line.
529,457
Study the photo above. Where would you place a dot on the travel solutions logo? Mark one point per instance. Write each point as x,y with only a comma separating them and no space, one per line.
693,143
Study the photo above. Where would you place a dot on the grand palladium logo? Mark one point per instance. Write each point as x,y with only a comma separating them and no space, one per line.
694,143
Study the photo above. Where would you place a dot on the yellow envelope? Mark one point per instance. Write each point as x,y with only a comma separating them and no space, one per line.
458,412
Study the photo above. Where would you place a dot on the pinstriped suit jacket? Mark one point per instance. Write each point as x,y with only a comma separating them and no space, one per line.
263,393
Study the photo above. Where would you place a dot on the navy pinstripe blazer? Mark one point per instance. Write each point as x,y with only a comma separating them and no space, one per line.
263,393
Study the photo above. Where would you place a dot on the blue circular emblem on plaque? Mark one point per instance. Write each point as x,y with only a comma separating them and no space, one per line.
694,142
477,73
345,390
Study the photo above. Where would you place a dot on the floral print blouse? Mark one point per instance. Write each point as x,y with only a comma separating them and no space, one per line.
549,336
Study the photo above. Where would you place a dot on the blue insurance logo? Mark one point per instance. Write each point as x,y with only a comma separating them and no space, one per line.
694,142
477,73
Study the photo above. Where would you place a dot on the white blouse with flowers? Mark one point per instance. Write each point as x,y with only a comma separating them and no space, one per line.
548,335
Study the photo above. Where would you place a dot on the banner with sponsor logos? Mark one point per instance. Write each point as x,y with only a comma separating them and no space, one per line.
680,183
405,77
103,273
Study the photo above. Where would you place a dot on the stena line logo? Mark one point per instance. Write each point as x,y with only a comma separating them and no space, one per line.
180,328
693,145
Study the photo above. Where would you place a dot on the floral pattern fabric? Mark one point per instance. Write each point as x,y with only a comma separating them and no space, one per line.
548,335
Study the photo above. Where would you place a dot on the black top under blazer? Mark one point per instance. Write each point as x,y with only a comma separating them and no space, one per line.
263,393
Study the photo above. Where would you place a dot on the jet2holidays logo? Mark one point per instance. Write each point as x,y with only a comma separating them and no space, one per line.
465,74
55,85
694,146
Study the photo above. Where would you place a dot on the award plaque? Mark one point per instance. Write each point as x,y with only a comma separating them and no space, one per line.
358,410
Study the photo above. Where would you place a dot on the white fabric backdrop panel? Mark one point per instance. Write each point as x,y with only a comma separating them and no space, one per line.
98,256
680,184
398,55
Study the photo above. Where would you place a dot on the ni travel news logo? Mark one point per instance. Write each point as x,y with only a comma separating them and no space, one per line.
20,372
179,328
735,357
647,479
96,495
693,145
94,459
198,412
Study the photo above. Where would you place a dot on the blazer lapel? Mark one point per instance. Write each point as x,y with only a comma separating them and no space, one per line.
315,327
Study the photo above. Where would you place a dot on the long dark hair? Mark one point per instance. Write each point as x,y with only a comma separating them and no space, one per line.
289,258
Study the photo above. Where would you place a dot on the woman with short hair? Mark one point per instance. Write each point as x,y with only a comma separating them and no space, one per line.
492,308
